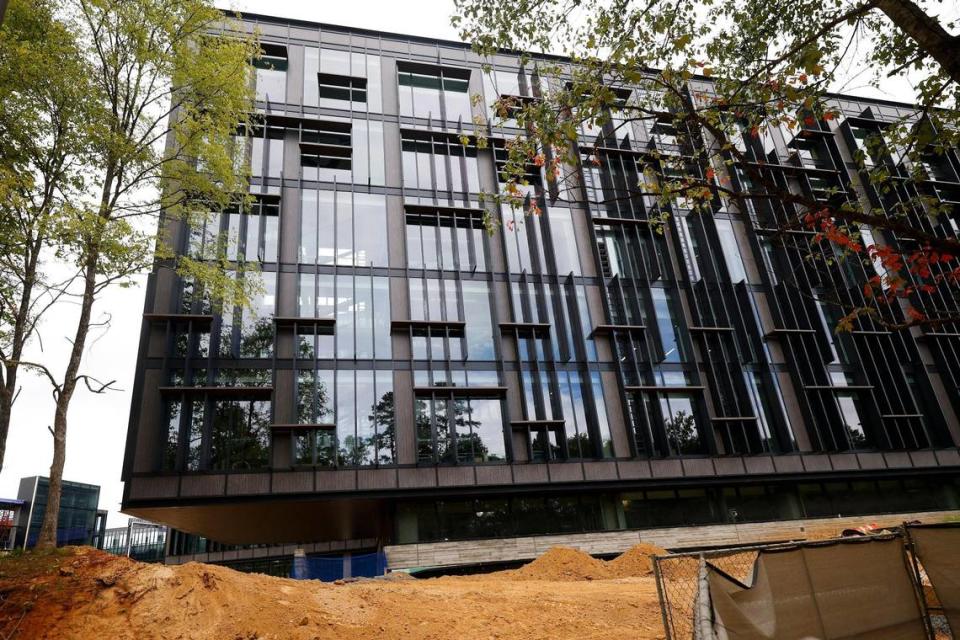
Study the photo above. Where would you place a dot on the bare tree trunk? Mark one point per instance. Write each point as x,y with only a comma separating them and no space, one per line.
929,34
48,531
51,514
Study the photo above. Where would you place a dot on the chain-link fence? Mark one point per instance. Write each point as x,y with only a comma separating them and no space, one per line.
677,585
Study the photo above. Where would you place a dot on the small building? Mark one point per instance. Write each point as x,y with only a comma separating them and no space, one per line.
80,522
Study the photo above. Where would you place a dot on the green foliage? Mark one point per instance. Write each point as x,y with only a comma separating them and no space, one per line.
722,75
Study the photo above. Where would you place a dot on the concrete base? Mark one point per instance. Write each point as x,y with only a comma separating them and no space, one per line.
451,554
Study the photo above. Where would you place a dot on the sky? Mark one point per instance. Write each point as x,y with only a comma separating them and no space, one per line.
98,423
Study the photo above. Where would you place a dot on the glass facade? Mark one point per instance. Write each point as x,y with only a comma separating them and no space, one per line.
590,334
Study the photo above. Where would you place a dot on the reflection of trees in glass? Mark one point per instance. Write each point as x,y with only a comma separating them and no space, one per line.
173,435
240,435
455,423
682,432
312,409
382,417
256,339
579,446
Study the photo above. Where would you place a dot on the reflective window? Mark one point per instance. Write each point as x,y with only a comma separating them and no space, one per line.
252,233
354,414
248,332
341,80
240,435
271,73
343,228
680,423
564,241
439,161
262,148
444,300
438,93
458,429
851,414
445,239
669,329
731,251
361,307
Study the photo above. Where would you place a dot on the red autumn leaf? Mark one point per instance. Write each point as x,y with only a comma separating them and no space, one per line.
809,121
711,173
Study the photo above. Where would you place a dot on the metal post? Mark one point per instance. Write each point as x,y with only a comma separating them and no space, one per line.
910,547
662,595
129,534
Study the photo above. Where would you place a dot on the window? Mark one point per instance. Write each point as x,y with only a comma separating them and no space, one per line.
248,332
343,228
513,88
680,423
438,93
453,428
326,152
439,161
361,307
343,151
452,301
566,404
689,248
263,147
240,435
446,239
354,415
252,233
668,328
564,237
341,80
731,252
863,140
271,73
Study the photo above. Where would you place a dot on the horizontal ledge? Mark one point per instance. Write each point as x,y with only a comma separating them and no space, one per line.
603,329
732,418
622,221
776,332
830,387
892,416
220,391
645,387
461,391
940,334
706,329
453,328
537,423
526,327
198,318
325,426
307,326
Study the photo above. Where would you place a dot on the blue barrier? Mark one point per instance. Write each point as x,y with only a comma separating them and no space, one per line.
330,568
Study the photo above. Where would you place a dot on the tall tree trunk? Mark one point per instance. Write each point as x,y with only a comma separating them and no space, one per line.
51,515
929,34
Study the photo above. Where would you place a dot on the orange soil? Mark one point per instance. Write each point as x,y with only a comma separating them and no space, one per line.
83,593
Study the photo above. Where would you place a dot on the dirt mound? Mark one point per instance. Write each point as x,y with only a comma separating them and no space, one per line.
85,594
635,561
563,563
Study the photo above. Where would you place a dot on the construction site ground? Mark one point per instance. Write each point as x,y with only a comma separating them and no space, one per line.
81,593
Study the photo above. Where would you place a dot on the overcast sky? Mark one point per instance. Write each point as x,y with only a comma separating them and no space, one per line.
98,423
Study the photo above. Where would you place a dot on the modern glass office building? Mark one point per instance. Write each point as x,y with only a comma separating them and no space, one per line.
80,522
407,377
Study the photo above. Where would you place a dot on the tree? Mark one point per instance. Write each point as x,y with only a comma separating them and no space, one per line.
164,107
44,96
715,79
